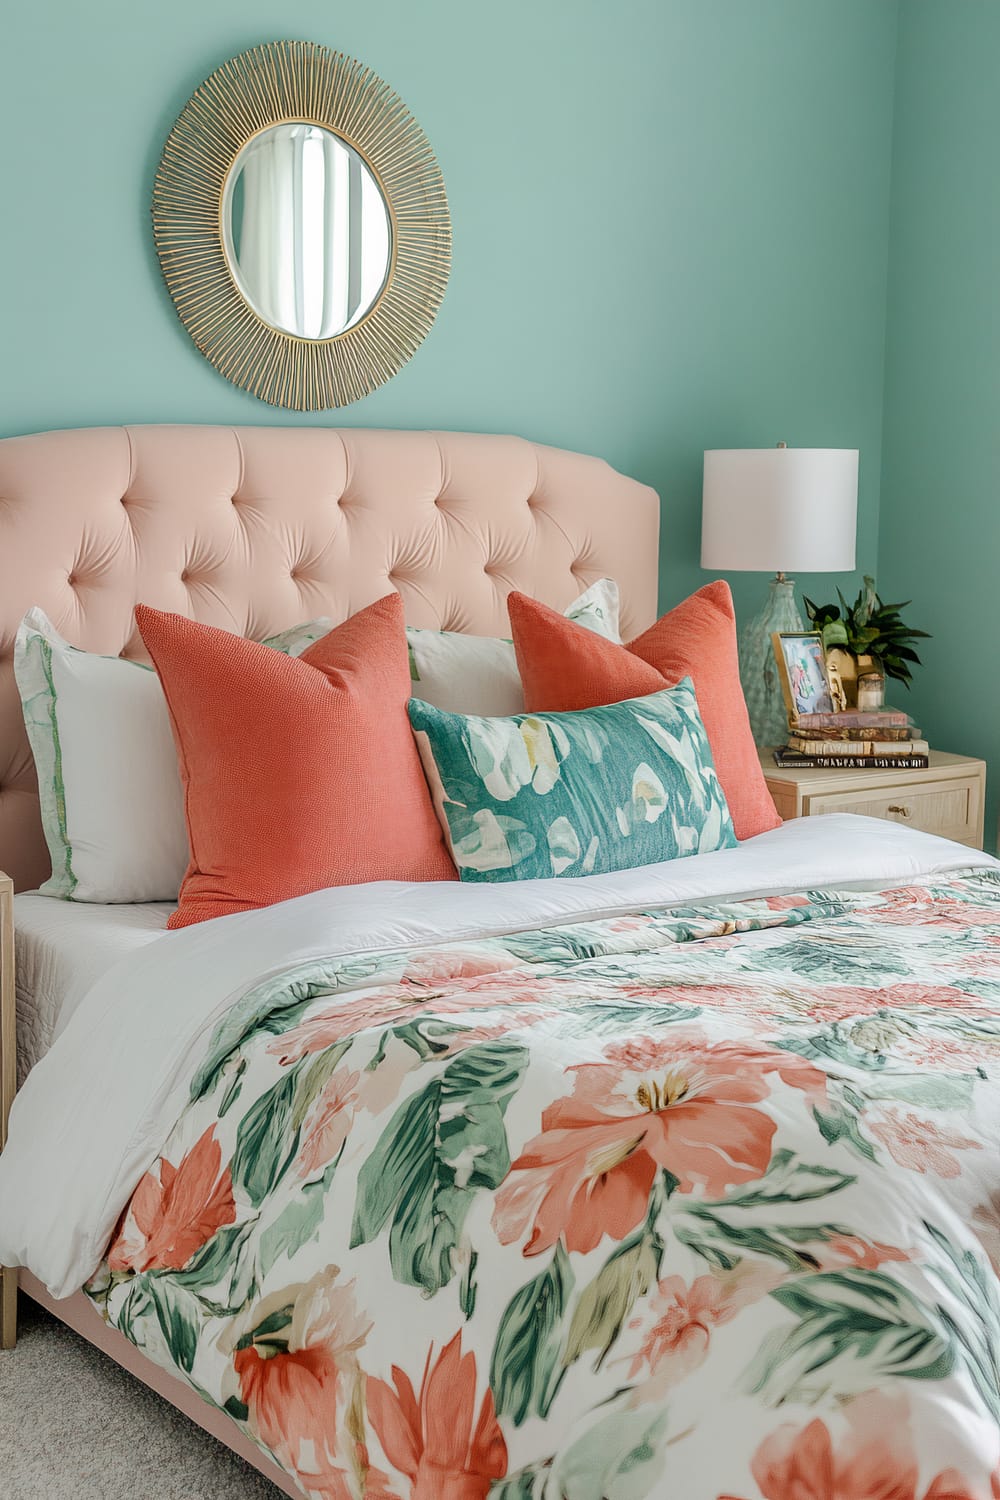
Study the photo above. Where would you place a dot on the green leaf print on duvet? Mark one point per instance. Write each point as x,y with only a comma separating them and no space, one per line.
854,1330
268,1135
973,1315
609,788
298,1222
442,1146
526,1370
836,958
722,1233
621,1458
177,1318
265,1141
607,1301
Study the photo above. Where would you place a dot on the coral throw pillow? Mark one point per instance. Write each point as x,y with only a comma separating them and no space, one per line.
298,774
564,667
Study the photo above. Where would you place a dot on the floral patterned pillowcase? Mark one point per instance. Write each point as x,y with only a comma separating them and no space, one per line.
611,788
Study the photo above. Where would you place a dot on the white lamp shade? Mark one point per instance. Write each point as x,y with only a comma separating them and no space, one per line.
780,510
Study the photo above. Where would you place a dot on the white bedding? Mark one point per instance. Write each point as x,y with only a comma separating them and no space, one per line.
70,1168
61,948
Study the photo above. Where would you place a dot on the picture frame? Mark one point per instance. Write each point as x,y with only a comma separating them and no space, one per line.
802,672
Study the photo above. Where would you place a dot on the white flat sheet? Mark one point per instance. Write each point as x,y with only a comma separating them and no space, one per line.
61,948
136,1038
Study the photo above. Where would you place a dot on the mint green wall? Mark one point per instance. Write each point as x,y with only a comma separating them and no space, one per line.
940,531
670,220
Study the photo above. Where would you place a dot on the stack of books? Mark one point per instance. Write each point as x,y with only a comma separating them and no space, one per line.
883,739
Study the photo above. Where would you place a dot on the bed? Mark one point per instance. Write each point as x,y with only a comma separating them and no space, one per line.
677,1180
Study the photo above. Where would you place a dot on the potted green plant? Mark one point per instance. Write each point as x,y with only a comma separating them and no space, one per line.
866,636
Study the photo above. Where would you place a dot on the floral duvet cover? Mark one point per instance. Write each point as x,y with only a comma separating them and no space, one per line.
689,1204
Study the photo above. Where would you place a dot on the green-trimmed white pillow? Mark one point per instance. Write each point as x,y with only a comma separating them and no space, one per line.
611,788
111,800
112,806
475,674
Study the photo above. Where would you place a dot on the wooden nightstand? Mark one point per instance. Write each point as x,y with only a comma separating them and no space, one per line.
948,798
8,1083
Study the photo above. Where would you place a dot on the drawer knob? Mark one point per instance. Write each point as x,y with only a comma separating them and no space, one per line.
904,812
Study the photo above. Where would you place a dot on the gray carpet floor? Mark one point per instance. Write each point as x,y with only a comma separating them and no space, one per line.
74,1426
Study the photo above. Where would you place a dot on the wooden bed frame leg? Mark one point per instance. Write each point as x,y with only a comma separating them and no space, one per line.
8,1308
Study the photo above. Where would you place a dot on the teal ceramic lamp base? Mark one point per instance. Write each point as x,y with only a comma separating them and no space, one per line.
758,669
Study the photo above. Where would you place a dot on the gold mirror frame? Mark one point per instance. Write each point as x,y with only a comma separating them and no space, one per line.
269,85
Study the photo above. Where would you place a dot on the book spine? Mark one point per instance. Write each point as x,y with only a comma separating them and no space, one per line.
853,718
896,748
853,762
879,734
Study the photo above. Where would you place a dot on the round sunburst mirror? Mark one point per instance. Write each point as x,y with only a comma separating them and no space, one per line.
302,226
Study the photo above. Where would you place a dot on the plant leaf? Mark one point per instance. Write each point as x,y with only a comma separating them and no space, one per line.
315,1075
175,1315
621,1457
467,1287
266,1140
854,1329
526,1370
442,1146
834,634
298,1221
529,1483
786,1181
606,1302
976,1327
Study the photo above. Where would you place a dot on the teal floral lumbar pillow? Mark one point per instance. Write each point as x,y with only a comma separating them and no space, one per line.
610,788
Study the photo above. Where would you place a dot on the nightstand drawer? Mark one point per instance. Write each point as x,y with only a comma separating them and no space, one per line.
946,798
948,808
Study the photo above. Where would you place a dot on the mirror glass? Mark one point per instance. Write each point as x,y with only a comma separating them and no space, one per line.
306,230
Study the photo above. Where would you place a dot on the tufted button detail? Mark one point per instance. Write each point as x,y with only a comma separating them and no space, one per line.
240,571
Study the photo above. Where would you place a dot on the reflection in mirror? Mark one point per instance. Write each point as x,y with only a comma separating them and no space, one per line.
306,230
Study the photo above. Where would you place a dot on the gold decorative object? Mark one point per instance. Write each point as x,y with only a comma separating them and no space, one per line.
308,110
837,690
848,668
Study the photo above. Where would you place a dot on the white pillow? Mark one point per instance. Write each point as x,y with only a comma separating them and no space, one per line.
477,674
111,798
112,806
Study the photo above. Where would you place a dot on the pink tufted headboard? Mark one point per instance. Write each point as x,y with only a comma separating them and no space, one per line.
258,528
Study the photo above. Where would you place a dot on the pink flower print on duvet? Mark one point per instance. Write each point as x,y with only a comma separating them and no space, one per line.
436,1437
873,1461
681,1105
175,1211
918,1144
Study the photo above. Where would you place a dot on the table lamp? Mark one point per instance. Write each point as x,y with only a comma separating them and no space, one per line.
781,509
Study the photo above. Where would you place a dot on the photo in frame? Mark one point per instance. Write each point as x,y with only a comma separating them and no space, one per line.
802,672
